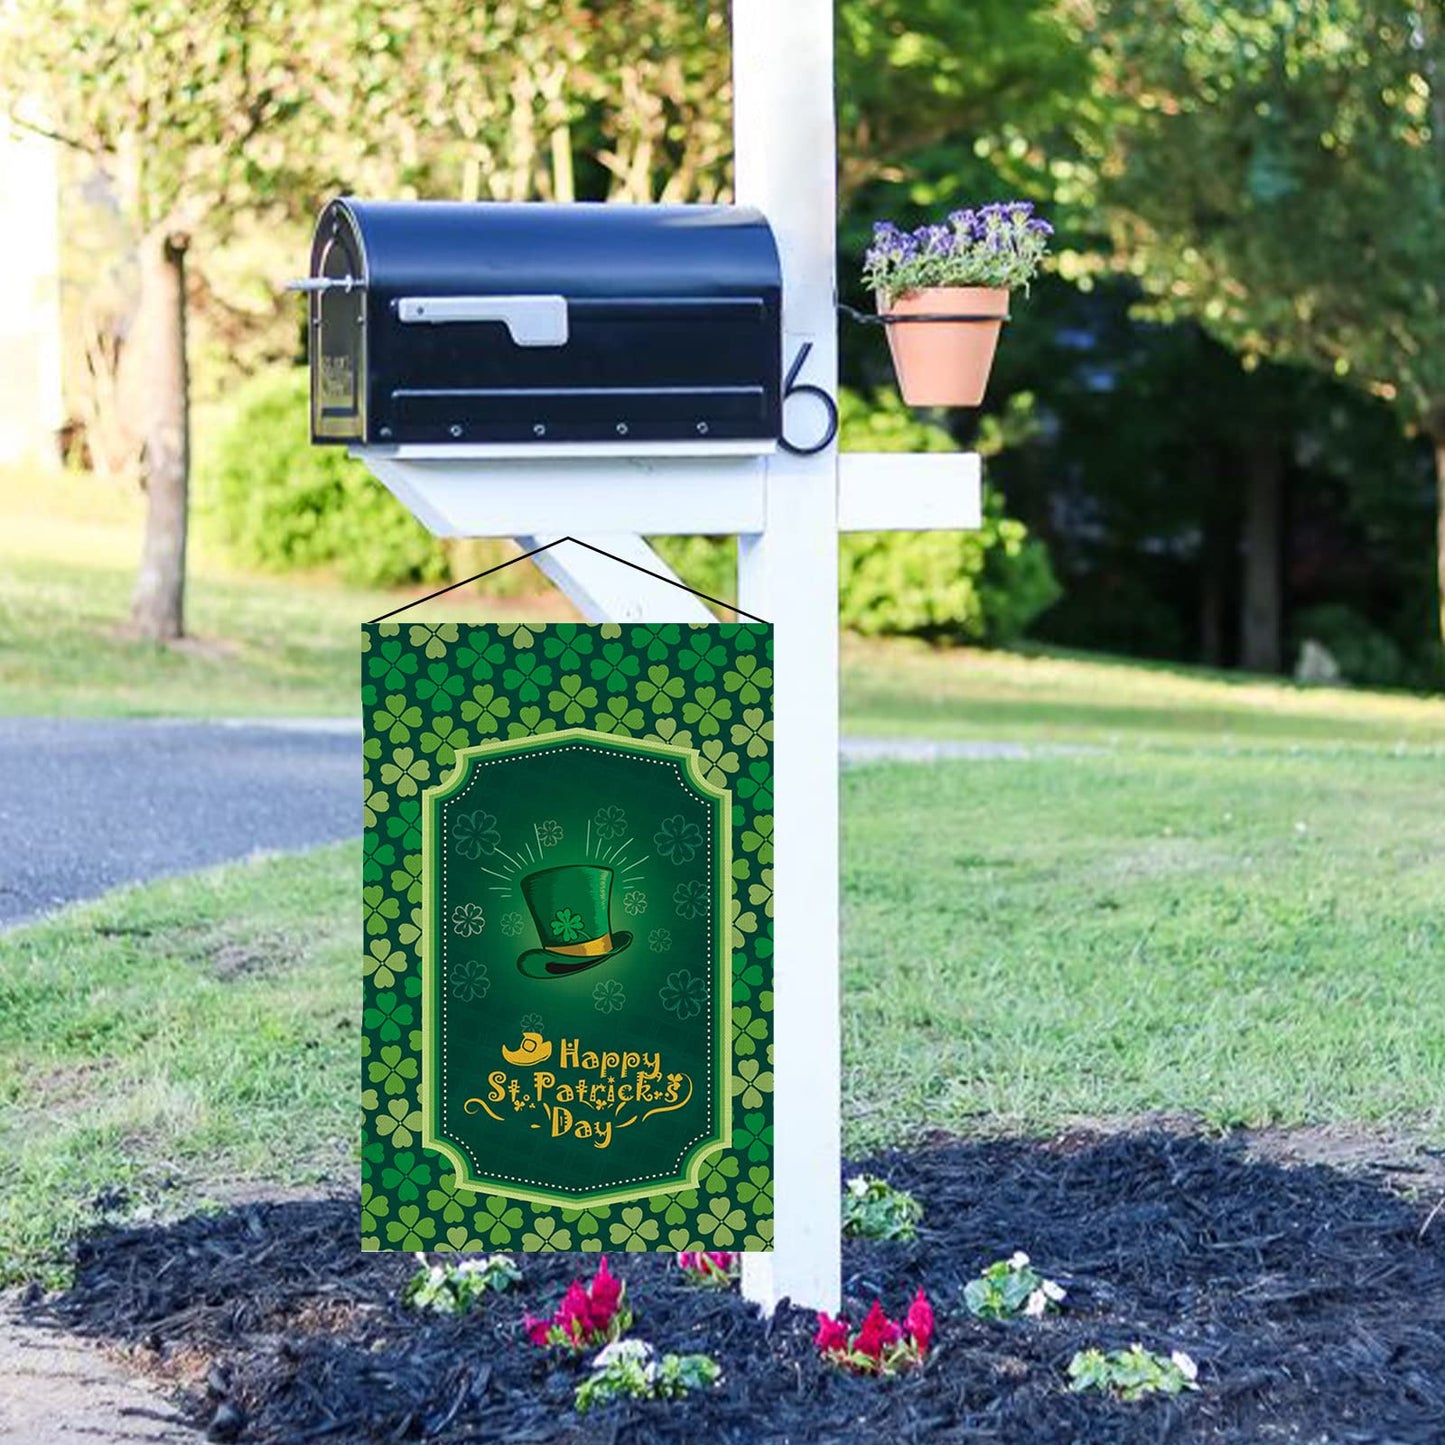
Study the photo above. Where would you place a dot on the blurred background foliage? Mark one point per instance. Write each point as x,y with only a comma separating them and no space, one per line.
1217,428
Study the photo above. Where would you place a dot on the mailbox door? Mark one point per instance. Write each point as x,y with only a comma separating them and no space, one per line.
338,340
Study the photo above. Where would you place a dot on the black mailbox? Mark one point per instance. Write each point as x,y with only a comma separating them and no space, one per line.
436,322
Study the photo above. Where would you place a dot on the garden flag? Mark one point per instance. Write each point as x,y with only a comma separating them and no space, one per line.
567,891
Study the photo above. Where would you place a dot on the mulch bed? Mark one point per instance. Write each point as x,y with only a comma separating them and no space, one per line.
1311,1299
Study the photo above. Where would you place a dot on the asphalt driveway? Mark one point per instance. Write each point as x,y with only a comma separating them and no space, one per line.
87,804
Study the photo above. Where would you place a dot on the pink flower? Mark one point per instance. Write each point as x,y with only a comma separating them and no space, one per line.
574,1314
918,1322
714,1266
877,1331
832,1334
604,1295
588,1315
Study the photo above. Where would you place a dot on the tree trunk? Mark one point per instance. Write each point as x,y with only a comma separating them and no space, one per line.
1438,441
163,395
1211,614
1261,642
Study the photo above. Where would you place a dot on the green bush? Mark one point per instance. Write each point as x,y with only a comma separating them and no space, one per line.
277,503
984,586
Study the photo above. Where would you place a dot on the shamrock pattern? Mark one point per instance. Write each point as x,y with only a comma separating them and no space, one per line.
679,840
468,920
609,996
684,994
468,981
432,689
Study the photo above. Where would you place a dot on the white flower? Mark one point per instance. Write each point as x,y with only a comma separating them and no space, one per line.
1018,1260
621,1352
1185,1365
1037,1303
858,1186
1053,1290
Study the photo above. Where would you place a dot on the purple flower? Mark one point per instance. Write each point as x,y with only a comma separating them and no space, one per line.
1041,228
935,240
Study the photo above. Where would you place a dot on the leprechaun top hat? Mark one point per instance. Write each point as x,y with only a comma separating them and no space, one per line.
570,908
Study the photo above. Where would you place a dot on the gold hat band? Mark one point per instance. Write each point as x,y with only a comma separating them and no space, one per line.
590,949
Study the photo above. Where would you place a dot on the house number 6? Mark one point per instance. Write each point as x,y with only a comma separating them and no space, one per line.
793,387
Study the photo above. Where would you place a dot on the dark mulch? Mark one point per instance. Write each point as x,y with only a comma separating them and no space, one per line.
1310,1298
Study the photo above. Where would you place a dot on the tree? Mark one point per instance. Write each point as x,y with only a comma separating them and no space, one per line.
917,74
1277,171
185,106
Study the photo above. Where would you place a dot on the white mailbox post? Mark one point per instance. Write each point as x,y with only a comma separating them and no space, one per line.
787,512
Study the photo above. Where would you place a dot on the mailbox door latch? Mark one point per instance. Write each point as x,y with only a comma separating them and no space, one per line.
530,320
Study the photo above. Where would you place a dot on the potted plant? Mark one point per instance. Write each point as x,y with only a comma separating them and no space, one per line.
965,269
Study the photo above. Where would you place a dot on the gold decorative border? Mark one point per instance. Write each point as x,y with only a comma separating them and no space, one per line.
431,801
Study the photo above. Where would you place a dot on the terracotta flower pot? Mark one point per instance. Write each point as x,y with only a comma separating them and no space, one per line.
941,363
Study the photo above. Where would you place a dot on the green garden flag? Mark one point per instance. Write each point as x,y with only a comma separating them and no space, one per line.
567,892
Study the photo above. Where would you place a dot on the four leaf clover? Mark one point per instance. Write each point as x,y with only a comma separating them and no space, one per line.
690,899
634,1231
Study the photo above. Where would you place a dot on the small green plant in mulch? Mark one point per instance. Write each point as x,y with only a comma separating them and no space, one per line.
632,1369
874,1209
1011,1287
457,1288
1133,1373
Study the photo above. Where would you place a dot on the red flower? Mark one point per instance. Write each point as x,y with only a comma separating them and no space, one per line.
604,1294
919,1322
574,1314
588,1315
877,1331
832,1334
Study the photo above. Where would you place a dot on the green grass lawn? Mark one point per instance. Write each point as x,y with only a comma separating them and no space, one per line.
1247,937
191,1040
905,688
259,646
1251,938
